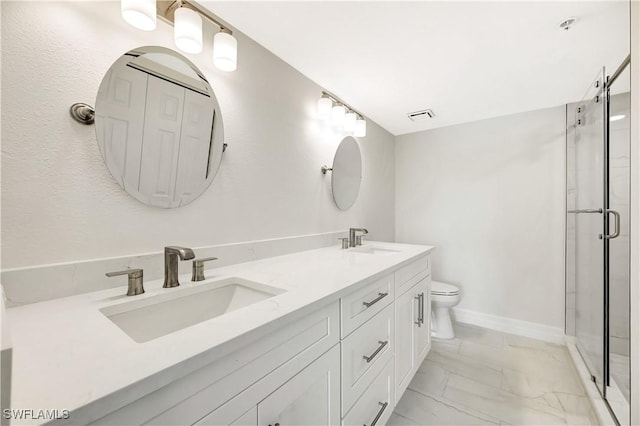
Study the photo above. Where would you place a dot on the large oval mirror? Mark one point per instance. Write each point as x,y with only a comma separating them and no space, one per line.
347,173
159,127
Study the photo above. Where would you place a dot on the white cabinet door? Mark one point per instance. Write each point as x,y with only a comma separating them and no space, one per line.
413,333
407,276
312,397
406,316
422,331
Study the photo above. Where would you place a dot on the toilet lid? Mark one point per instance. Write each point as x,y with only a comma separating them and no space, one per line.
443,288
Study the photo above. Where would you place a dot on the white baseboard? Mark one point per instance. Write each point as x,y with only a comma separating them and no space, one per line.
511,325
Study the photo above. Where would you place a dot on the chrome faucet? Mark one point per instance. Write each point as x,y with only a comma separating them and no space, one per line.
171,256
352,235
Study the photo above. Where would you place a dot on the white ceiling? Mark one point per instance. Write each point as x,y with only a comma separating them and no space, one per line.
465,60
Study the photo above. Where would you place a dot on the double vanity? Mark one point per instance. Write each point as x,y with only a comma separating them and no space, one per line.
325,336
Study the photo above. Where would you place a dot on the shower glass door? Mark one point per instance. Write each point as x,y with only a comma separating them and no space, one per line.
586,221
619,178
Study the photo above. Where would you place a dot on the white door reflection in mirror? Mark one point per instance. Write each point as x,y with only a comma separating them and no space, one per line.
120,128
346,173
159,127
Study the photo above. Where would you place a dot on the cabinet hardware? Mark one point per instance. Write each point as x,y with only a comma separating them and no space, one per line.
382,408
376,300
373,355
420,299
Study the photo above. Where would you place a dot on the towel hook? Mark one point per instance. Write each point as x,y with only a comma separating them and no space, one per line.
83,113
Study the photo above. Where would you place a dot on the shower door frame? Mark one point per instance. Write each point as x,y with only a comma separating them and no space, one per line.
606,236
598,97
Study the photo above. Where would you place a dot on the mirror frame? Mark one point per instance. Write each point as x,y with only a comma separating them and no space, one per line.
217,144
343,171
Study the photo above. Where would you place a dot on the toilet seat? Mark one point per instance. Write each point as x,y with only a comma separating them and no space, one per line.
443,289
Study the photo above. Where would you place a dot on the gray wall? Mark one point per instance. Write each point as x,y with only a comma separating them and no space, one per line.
490,196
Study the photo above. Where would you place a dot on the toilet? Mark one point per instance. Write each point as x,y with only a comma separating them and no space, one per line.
443,297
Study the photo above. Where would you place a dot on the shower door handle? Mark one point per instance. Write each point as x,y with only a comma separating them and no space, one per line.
616,221
585,211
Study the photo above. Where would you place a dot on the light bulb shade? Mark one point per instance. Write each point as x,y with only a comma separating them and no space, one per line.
225,51
337,115
139,13
324,107
187,30
361,128
350,121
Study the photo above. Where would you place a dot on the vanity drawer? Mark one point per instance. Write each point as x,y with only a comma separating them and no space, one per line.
376,404
364,354
363,304
407,276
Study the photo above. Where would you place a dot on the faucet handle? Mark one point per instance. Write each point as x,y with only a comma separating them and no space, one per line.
197,272
359,239
134,282
133,273
345,242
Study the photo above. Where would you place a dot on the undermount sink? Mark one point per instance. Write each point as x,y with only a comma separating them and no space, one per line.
384,251
157,316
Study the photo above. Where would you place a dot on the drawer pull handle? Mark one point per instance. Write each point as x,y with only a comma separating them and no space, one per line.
376,352
382,408
376,300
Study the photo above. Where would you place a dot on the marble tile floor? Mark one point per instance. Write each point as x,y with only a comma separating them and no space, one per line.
484,377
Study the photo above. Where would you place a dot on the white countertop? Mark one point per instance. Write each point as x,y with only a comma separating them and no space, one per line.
68,356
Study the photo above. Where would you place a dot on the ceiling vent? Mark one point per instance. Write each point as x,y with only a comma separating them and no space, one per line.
421,115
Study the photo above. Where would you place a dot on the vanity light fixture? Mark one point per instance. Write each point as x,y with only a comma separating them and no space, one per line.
361,128
140,14
187,30
225,50
338,113
186,17
342,115
350,122
324,107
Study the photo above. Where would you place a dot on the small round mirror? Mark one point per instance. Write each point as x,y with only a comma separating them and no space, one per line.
159,127
347,173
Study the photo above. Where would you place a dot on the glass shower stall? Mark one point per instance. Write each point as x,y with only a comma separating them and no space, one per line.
597,234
